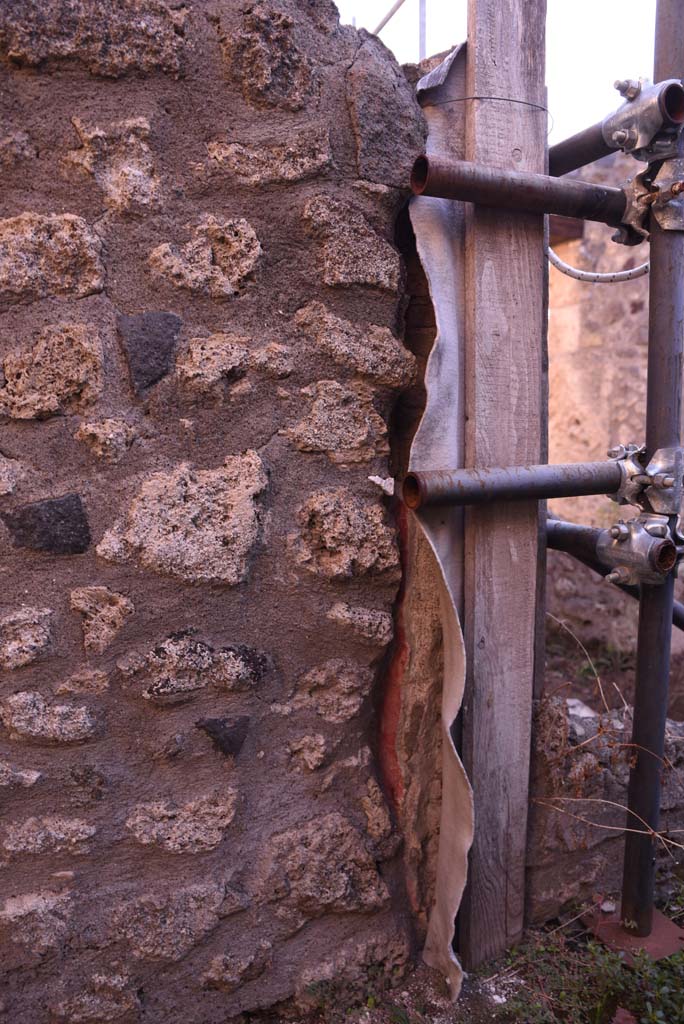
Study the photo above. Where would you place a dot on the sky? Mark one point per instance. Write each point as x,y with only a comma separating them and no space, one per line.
589,44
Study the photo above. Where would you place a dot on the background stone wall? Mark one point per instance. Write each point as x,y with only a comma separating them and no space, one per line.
200,352
581,765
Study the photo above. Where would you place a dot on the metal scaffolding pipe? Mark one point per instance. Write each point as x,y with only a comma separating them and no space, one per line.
593,143
580,543
517,190
578,151
480,486
663,414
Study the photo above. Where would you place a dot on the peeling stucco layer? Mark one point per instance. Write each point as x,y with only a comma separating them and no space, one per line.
200,348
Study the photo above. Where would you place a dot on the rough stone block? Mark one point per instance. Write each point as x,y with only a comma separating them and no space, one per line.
51,834
25,634
227,972
38,921
319,867
120,160
85,680
48,254
180,666
13,777
57,525
109,997
373,352
104,614
28,716
368,623
164,926
218,259
61,372
303,154
15,148
342,423
307,753
149,341
335,690
107,39
227,734
198,525
388,124
210,362
264,59
88,784
352,251
11,472
343,536
273,360
193,827
108,439
379,823
355,966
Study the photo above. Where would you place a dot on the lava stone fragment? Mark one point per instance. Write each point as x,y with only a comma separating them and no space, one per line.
149,342
227,734
57,525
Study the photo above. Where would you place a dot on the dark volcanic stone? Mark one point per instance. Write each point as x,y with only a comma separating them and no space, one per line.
58,525
149,341
227,734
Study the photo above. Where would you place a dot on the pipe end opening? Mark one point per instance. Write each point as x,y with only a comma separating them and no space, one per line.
672,100
411,491
419,175
665,557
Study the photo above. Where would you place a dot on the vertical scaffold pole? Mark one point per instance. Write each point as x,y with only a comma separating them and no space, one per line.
663,425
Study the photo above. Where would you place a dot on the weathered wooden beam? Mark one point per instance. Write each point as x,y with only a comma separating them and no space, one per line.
505,304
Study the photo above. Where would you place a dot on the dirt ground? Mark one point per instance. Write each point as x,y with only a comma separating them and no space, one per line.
422,999
571,671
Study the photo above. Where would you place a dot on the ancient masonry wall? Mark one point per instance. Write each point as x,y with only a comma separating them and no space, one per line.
200,351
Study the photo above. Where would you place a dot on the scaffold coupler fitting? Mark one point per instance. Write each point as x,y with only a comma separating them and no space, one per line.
648,547
648,123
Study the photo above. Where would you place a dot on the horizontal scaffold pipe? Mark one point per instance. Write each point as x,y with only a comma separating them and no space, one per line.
659,107
517,190
480,486
578,151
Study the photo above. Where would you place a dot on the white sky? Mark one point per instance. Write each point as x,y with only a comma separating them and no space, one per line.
590,43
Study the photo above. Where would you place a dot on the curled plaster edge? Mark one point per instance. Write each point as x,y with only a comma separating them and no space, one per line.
438,442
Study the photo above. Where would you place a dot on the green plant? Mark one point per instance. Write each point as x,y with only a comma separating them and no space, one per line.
398,1015
573,981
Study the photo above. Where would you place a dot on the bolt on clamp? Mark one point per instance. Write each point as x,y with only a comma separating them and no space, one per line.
641,550
668,202
653,487
647,125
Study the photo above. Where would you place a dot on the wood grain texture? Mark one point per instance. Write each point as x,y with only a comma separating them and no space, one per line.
505,308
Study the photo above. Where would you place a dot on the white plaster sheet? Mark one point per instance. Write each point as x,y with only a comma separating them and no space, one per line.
438,443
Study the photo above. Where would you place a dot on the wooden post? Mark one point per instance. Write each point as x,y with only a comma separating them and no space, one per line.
505,304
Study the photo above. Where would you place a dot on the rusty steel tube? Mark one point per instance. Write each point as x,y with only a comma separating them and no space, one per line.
517,190
480,486
578,151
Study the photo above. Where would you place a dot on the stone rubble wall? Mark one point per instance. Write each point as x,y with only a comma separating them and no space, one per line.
578,809
200,352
